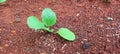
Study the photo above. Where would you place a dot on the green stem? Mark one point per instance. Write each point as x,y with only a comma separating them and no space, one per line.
47,29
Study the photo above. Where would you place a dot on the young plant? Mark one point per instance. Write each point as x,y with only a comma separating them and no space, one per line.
49,19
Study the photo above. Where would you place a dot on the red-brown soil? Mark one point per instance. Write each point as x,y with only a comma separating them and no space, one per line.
86,18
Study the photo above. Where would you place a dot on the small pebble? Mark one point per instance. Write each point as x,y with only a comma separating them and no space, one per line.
85,40
77,14
40,8
108,40
17,19
27,49
77,53
49,44
54,49
101,25
63,46
82,42
13,32
107,35
99,8
110,18
86,45
6,45
101,19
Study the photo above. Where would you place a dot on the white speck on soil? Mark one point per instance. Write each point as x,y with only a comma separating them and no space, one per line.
110,18
110,28
54,49
101,25
77,53
77,14
118,35
108,40
82,42
63,46
85,40
108,35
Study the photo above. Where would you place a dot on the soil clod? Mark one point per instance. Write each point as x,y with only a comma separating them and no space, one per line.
86,45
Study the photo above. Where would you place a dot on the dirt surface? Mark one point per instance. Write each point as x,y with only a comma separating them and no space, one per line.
88,19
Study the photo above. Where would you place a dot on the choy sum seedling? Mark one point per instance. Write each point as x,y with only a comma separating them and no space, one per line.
49,19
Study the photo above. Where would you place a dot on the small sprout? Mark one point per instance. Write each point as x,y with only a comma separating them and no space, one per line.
77,53
49,19
110,18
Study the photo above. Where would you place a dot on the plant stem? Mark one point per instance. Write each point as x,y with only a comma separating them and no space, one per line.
47,29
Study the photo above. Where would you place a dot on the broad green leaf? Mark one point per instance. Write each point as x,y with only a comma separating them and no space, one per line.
66,34
48,17
34,23
2,1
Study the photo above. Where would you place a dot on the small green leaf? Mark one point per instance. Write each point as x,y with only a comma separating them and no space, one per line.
34,23
66,34
2,1
48,17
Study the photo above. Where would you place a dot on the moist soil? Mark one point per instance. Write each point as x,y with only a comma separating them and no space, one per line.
88,19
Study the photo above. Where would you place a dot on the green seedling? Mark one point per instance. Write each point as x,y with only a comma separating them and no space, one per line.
2,1
49,19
